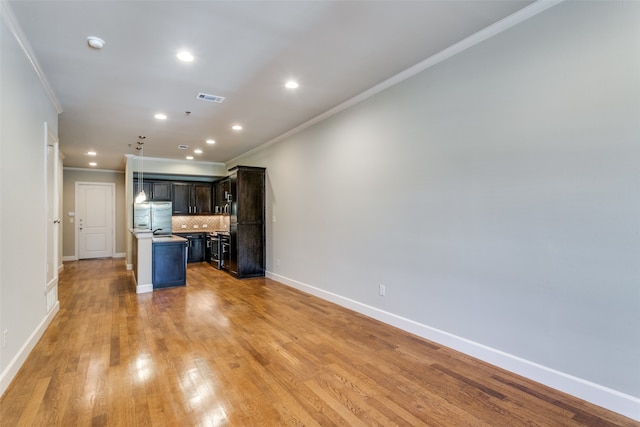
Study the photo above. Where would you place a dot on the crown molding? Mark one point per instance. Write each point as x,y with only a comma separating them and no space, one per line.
69,168
478,37
174,161
14,27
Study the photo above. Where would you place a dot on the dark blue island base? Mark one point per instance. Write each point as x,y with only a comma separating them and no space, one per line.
169,262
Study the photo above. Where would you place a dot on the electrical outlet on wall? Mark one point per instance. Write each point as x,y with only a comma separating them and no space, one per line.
4,338
382,290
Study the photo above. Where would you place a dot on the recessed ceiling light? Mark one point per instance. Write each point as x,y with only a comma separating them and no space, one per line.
211,141
185,56
93,164
189,157
95,42
236,127
91,153
161,116
197,151
291,84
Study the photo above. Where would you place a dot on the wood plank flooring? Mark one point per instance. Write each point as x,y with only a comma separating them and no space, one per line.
223,352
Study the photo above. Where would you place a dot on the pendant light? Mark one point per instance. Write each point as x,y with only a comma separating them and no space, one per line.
142,196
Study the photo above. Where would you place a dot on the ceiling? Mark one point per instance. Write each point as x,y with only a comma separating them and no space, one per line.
244,51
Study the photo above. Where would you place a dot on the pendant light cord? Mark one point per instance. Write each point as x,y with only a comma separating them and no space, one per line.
141,197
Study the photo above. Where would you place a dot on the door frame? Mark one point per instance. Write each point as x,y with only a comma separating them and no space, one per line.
53,227
113,215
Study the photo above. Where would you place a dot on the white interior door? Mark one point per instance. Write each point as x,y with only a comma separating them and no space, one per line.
94,220
53,219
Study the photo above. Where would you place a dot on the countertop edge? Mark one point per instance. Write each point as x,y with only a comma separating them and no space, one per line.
168,239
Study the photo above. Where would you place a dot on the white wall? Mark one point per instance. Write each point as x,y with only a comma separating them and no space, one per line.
154,165
24,108
495,195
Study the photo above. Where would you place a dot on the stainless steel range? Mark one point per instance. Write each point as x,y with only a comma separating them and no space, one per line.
218,242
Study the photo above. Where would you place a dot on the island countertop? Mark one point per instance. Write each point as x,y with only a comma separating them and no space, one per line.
168,239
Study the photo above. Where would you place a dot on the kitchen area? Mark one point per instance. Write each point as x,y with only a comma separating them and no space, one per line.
221,222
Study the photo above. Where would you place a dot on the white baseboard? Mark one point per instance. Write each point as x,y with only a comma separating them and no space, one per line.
610,399
129,267
16,363
140,288
143,289
75,258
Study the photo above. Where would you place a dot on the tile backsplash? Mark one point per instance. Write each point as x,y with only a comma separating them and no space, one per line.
204,223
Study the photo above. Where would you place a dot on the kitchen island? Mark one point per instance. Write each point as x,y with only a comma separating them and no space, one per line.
169,261
158,261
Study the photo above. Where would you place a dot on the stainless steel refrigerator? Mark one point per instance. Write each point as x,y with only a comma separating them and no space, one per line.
155,216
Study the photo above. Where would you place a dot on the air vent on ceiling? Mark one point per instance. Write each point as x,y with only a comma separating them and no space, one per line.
210,98
183,147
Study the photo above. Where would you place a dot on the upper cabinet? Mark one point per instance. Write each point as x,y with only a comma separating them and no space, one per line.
155,190
222,199
192,198
202,201
188,198
160,190
247,187
181,199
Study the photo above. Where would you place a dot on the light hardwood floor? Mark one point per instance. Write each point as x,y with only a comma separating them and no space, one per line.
254,352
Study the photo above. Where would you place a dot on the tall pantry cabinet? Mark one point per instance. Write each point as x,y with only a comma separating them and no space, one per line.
247,221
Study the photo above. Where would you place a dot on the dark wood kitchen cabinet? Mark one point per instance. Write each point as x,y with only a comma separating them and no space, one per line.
220,190
195,246
156,191
247,221
160,191
196,249
202,201
181,199
192,198
137,186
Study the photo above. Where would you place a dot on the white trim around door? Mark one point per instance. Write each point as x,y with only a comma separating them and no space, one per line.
110,214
